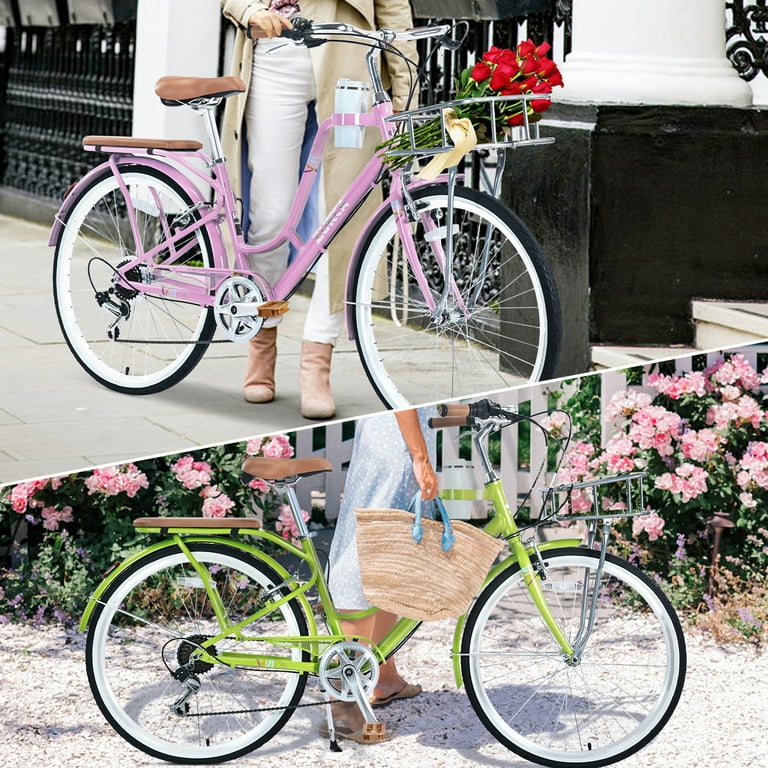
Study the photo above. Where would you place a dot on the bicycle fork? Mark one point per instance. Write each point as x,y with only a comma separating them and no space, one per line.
451,305
573,650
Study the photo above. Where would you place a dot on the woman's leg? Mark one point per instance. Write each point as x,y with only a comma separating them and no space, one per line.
282,85
321,330
374,628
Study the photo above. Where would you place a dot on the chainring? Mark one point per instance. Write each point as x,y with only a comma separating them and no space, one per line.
232,292
345,656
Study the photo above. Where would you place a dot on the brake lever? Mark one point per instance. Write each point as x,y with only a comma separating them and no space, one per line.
449,43
301,32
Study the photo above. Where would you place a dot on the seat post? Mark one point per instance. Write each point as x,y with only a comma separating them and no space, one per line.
293,503
208,113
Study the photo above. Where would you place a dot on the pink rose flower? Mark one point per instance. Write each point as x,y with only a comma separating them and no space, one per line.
190,473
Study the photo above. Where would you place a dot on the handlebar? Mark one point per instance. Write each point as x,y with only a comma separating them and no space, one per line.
470,414
311,34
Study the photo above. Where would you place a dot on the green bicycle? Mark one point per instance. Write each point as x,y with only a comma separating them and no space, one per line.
200,647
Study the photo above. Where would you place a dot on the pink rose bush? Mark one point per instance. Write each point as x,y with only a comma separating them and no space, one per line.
702,437
190,473
58,536
111,481
286,525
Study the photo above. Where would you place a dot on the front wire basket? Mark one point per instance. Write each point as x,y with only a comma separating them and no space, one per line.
527,134
610,498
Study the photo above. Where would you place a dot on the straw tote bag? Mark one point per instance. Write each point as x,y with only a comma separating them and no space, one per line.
421,568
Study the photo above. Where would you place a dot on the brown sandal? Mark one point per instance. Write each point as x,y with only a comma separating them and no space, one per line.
407,692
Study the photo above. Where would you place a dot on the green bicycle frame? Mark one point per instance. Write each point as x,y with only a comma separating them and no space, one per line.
501,524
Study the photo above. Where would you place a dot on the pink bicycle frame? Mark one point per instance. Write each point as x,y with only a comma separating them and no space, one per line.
187,169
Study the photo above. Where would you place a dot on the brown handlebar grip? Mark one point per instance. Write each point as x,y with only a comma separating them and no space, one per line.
437,422
454,409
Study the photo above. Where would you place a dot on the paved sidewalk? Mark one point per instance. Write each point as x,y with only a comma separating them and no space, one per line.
54,418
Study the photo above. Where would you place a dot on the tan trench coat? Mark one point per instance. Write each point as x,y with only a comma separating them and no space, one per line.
330,63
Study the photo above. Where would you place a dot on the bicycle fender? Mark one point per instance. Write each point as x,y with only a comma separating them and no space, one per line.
112,576
148,162
494,572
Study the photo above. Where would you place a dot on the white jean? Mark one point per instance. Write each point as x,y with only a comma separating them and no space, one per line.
282,85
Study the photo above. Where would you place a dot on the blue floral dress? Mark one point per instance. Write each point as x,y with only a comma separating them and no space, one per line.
380,476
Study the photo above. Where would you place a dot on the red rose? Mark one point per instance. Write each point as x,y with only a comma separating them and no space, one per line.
529,66
546,68
526,49
539,105
481,72
508,57
502,76
513,89
555,79
492,55
543,50
517,119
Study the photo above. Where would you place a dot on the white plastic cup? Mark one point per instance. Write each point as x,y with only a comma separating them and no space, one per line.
458,489
352,97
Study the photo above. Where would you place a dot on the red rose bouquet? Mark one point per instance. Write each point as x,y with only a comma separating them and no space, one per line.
525,71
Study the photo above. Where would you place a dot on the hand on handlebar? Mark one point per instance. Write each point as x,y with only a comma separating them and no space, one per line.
265,23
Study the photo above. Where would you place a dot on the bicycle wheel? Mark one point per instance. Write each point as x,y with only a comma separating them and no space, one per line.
599,711
501,323
128,340
145,628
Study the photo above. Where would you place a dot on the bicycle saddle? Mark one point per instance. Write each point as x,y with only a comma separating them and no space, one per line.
281,469
174,90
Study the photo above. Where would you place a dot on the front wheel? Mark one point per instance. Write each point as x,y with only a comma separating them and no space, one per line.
500,325
554,711
154,618
127,318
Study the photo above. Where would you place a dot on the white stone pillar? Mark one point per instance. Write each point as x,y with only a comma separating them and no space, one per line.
651,52
173,37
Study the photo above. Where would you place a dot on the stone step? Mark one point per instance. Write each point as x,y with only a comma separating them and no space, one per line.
718,325
607,356
728,323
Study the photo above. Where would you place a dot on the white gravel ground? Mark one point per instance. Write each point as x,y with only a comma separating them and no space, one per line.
48,718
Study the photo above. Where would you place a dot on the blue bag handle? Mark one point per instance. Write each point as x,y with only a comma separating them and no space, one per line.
417,531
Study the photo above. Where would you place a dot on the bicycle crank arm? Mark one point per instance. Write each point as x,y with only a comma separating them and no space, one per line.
356,684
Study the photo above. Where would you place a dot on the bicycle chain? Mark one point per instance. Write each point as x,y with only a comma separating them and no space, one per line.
261,709
170,341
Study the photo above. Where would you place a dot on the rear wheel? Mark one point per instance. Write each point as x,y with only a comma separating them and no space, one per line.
500,326
142,642
129,340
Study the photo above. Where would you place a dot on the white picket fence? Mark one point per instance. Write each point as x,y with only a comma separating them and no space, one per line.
328,488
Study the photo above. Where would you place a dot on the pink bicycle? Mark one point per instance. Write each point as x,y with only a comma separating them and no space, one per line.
447,292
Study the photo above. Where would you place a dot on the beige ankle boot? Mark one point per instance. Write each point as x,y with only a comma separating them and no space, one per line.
259,381
316,398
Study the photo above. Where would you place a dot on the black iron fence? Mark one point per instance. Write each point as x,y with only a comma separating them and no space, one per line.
64,83
67,72
66,69
746,37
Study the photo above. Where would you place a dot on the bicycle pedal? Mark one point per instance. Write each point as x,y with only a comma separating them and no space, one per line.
273,308
373,732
